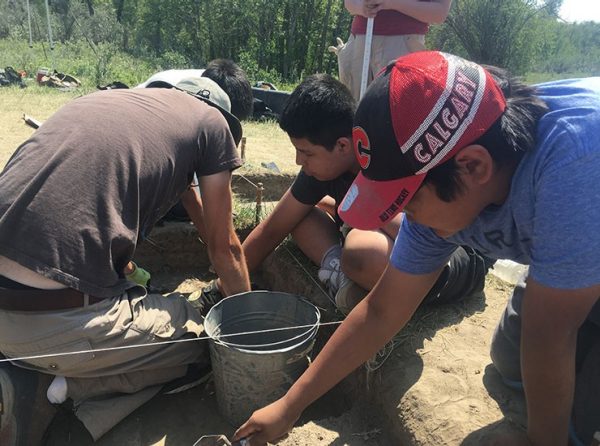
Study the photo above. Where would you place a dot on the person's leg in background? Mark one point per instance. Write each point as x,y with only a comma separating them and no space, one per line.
364,257
366,253
350,59
319,239
463,276
386,49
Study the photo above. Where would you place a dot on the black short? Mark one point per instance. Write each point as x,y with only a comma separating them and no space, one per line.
463,276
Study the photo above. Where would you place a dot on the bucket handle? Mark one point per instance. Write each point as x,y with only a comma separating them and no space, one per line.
301,355
272,344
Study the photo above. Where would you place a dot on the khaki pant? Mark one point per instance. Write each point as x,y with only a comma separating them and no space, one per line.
384,49
108,386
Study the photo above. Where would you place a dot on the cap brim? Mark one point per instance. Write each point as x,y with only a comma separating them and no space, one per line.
234,123
371,204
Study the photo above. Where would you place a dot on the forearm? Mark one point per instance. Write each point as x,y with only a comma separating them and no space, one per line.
230,265
270,232
354,7
427,12
373,322
193,205
346,350
548,365
551,319
258,245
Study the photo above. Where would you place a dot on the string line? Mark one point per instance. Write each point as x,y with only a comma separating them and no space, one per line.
242,176
154,344
310,276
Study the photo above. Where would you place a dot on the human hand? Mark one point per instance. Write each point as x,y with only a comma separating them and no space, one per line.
137,274
372,7
335,49
365,8
267,424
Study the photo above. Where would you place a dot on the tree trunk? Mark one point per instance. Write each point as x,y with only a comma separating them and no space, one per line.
290,38
90,6
119,7
320,50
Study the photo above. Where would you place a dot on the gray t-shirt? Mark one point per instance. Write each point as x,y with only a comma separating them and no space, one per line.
77,196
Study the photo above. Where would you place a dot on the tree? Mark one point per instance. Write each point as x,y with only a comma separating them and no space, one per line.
506,33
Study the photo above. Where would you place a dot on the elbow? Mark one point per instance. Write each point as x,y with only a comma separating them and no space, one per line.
438,13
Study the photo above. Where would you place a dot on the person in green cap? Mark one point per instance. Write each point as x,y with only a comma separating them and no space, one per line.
77,198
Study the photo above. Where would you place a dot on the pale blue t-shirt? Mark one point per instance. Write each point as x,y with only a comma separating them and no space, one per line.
551,218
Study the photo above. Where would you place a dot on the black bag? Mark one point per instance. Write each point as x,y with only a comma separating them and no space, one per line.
10,76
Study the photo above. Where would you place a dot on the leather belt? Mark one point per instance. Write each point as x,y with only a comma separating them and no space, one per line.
43,300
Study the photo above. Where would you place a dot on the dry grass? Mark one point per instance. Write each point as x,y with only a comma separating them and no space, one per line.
265,142
34,101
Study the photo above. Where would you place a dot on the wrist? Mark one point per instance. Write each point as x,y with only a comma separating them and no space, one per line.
293,407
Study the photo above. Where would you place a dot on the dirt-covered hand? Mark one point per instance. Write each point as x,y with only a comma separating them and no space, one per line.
267,424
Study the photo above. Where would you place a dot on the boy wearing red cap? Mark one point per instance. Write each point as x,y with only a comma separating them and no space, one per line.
475,157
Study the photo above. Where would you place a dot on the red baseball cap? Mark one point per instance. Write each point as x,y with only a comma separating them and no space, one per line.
418,113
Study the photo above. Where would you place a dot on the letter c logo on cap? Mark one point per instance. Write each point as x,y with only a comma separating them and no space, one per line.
362,146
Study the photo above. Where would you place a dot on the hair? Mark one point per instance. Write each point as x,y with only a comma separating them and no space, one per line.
507,140
320,109
232,79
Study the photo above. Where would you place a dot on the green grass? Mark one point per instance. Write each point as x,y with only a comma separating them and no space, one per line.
105,63
101,65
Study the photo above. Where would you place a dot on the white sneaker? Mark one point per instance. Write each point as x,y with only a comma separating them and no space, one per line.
348,296
332,277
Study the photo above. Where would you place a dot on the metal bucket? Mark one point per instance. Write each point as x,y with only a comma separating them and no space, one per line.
255,355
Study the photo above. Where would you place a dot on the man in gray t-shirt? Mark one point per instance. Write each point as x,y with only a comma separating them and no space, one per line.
75,200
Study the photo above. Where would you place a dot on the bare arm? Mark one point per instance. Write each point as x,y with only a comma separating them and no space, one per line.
193,205
224,247
271,231
380,315
551,320
434,11
391,229
357,7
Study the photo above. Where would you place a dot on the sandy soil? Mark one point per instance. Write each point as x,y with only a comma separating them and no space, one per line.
437,387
